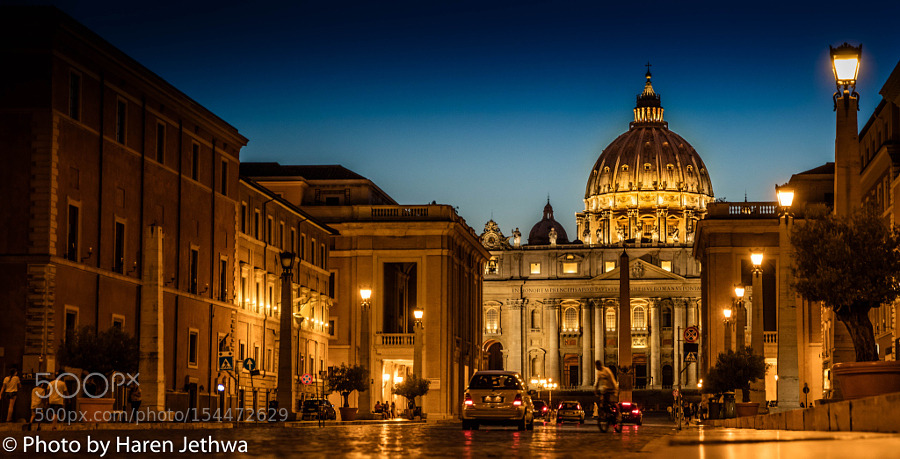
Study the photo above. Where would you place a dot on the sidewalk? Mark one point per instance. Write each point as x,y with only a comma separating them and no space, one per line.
710,443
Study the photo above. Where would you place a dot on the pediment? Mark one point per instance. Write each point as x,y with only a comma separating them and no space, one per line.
640,270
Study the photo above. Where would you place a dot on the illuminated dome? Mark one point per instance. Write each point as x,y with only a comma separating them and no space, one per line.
647,180
540,232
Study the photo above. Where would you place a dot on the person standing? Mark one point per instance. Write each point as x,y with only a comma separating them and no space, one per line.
55,398
393,407
135,399
38,396
11,386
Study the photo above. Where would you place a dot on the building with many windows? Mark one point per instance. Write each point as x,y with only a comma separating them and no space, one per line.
552,305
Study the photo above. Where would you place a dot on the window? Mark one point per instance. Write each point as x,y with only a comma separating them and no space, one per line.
71,324
293,241
269,230
119,248
666,318
195,161
72,233
256,356
256,233
491,267
331,327
609,266
256,299
610,319
312,252
195,265
118,322
269,362
570,268
322,257
535,319
241,350
193,343
281,235
224,183
303,247
74,96
331,285
570,320
492,320
120,121
270,300
223,278
160,143
639,318
666,265
301,363
535,268
243,291
244,217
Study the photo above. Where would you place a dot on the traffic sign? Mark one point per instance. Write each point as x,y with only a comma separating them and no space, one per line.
306,379
249,364
691,334
226,363
690,357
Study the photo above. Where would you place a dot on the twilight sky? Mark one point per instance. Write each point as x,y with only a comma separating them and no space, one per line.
492,105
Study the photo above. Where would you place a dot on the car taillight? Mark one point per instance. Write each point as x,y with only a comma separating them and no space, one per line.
635,411
545,409
518,400
469,401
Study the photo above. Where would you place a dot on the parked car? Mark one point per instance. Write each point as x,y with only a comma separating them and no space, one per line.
631,413
312,407
497,397
569,411
541,409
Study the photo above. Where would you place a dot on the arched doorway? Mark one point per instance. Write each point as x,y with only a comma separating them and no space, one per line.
494,356
667,376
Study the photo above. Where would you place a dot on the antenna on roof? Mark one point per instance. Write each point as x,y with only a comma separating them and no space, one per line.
745,195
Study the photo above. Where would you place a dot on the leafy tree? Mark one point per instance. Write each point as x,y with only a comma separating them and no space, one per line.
105,352
851,265
412,387
345,380
737,370
712,383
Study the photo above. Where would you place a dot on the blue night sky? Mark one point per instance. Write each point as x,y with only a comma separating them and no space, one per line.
492,105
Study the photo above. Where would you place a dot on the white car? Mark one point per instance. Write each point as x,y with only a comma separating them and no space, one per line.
497,397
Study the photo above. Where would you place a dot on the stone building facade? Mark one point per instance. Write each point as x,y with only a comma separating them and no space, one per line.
552,306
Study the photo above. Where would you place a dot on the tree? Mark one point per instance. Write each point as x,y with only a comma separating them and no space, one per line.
412,387
851,265
105,352
712,383
737,370
345,380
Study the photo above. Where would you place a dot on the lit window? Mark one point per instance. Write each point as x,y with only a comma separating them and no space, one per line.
535,268
639,318
570,320
666,265
610,319
570,268
492,321
610,265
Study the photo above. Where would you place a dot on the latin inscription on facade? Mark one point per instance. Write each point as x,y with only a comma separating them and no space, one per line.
611,289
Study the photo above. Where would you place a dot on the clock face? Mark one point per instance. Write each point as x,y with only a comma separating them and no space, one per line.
491,240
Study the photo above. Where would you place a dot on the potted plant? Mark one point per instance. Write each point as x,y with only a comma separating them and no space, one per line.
99,356
344,380
412,387
851,265
737,370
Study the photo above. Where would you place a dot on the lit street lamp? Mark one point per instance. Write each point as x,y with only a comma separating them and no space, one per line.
741,318
285,395
845,64
365,305
417,344
727,321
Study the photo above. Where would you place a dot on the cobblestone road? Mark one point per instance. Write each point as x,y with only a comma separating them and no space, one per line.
433,439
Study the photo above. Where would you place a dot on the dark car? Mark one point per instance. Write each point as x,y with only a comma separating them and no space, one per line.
541,409
631,413
312,407
570,411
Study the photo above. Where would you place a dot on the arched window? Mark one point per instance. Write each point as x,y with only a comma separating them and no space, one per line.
492,320
535,319
535,367
639,318
570,320
610,319
666,317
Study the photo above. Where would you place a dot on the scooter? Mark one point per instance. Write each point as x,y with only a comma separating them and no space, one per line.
610,417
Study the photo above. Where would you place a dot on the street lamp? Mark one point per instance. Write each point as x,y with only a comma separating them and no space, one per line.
365,305
845,64
417,343
741,318
285,396
727,321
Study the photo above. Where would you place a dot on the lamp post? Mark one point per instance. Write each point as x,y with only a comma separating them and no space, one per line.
726,314
788,383
417,344
286,345
741,319
845,64
365,305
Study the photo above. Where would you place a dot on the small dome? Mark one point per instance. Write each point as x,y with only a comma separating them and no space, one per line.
649,157
540,232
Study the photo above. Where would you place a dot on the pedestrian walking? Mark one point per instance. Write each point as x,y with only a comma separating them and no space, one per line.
10,391
38,399
135,398
56,393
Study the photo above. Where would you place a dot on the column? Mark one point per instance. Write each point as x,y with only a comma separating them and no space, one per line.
587,358
693,320
551,308
524,326
599,331
678,315
655,332
788,384
514,333
152,350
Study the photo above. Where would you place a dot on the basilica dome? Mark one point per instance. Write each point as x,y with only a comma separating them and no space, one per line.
541,231
648,157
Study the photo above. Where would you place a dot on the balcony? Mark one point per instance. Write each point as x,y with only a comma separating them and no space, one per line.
763,209
396,339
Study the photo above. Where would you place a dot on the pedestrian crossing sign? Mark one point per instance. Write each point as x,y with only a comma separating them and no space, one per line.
226,363
690,357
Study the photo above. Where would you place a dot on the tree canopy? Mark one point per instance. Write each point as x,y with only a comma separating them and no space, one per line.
849,264
346,379
412,387
104,352
737,370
